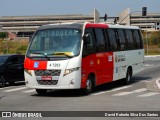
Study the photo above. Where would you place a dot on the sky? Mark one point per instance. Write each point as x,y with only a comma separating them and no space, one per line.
65,7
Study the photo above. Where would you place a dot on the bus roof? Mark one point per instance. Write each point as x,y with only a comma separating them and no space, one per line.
86,24
122,26
61,25
104,25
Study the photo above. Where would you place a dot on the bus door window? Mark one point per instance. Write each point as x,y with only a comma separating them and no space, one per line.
89,42
100,39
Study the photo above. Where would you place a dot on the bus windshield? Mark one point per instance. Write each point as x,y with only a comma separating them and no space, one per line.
55,42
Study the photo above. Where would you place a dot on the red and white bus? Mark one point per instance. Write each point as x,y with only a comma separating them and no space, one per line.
82,56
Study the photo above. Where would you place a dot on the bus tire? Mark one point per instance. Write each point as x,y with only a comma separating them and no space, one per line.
127,80
2,81
41,91
89,85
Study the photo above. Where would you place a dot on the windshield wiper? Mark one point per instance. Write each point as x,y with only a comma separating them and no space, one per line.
45,54
62,53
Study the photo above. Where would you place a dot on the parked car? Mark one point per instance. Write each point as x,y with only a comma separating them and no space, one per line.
11,69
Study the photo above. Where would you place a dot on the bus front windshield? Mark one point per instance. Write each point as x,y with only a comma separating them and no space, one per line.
55,42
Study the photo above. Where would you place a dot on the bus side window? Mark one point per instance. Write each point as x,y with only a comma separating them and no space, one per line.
141,41
122,41
100,39
129,38
112,39
89,42
136,39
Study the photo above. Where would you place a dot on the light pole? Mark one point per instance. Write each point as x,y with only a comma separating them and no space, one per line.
144,13
128,15
2,30
146,35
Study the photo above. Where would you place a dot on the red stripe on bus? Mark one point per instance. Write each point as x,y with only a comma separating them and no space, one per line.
30,64
101,65
92,25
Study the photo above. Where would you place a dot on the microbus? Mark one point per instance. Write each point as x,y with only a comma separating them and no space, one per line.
82,56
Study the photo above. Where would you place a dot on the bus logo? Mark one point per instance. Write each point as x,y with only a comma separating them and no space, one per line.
36,64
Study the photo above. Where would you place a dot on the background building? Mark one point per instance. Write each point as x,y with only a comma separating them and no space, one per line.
24,26
150,22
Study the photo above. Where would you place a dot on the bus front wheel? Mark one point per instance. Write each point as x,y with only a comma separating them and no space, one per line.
89,86
41,91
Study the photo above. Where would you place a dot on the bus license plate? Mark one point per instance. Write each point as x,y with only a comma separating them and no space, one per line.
46,77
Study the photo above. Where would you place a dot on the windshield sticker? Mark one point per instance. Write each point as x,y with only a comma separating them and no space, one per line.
56,33
64,32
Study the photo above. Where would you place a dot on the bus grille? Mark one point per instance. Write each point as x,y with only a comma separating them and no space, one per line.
47,82
47,72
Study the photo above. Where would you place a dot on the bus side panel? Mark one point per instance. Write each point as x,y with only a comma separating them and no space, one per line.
104,67
101,64
88,66
124,59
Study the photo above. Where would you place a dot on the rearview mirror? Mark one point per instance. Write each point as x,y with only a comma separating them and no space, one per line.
86,39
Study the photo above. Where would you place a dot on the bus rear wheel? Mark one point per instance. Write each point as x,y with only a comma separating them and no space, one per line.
127,80
41,91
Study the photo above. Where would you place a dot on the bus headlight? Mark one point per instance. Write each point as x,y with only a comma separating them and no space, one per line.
68,71
28,71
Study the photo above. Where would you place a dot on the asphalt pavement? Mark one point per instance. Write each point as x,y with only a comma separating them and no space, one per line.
141,95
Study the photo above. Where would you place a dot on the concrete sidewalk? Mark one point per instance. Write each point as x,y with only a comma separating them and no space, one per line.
157,83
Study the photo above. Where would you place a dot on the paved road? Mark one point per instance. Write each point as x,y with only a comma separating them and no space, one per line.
140,95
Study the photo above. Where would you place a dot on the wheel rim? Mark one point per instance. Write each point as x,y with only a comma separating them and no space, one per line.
2,81
128,77
89,85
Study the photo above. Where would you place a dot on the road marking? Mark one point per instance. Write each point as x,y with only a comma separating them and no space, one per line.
10,87
99,93
152,56
146,81
6,87
148,94
29,91
140,90
116,89
148,65
158,83
120,88
127,93
15,89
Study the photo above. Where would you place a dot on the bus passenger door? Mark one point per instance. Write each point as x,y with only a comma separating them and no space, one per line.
88,55
104,58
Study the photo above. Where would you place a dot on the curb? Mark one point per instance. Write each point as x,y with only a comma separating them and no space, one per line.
152,56
158,83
